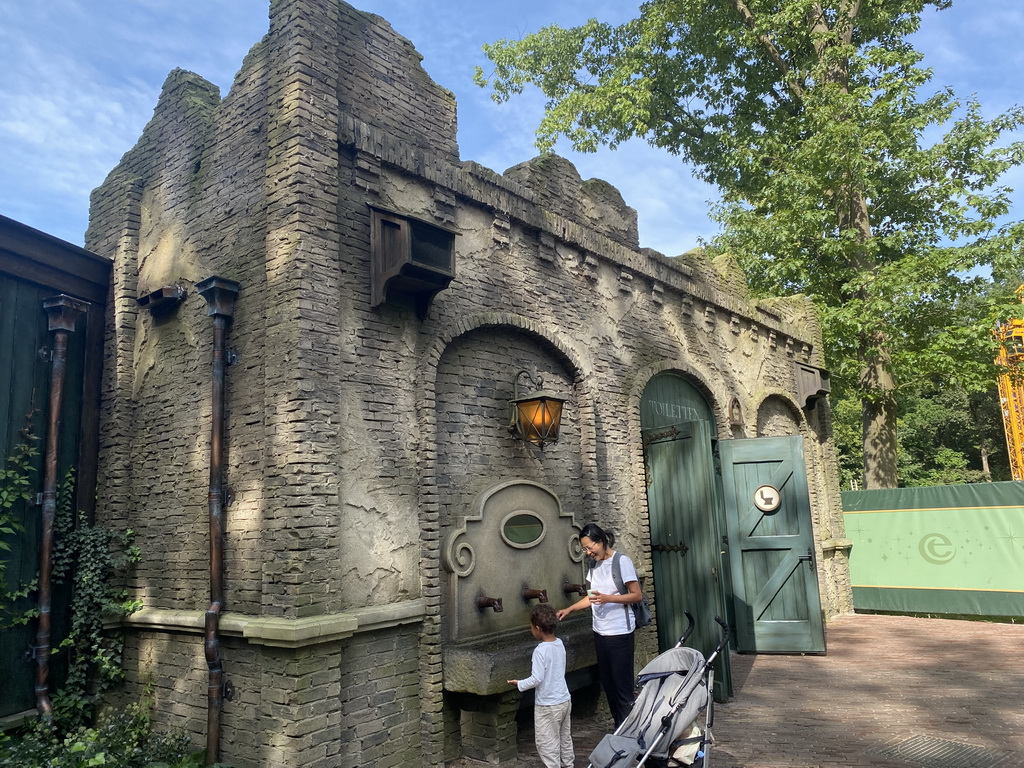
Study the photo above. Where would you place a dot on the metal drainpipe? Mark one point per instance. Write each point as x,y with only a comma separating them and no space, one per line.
62,314
220,298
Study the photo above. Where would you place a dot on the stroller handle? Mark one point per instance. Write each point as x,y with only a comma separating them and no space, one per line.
690,624
721,643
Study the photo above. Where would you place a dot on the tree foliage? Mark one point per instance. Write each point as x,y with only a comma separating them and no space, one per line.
949,431
840,179
16,492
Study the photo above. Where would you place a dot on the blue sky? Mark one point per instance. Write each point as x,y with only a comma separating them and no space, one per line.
80,79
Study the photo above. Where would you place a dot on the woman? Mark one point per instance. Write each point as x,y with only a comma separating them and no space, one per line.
612,615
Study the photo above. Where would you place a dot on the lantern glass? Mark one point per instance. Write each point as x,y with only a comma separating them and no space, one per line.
539,417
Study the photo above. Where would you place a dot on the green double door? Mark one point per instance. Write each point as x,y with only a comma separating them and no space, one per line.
685,553
714,552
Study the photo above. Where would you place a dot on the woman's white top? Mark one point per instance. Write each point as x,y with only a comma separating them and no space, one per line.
612,618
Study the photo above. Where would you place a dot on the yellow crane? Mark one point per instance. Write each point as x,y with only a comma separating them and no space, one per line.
1011,388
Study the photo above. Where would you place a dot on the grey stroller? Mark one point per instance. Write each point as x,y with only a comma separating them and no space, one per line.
665,726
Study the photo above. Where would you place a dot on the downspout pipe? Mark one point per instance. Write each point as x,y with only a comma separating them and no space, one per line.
220,296
62,315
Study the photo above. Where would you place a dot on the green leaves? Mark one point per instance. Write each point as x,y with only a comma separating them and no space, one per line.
91,557
88,558
16,490
123,739
810,118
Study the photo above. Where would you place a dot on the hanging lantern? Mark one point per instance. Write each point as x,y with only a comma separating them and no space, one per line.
537,415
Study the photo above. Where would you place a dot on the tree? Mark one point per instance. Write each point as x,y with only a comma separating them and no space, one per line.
946,437
947,434
806,115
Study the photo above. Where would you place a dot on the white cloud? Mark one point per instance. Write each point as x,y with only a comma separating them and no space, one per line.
81,81
81,78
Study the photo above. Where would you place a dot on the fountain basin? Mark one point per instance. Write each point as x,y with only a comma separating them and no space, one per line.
485,666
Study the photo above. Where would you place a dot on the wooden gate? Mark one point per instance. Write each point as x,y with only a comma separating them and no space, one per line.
771,546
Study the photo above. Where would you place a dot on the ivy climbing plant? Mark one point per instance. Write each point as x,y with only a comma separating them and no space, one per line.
16,489
90,558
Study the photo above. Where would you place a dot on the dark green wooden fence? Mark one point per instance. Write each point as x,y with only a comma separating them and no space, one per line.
35,267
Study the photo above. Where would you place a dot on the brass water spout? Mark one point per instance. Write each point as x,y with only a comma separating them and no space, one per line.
569,589
540,595
483,603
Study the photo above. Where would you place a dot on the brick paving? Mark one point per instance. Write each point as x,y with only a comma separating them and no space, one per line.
887,684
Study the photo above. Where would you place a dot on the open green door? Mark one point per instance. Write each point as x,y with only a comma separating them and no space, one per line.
771,546
684,506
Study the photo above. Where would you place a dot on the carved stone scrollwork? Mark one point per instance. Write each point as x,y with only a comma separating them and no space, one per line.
458,557
575,548
516,543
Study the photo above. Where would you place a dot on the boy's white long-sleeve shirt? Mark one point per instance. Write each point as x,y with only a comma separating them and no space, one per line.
547,674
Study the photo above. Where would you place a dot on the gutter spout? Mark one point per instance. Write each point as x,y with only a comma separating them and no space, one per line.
220,297
62,315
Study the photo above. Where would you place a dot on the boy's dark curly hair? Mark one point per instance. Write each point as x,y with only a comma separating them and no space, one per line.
544,618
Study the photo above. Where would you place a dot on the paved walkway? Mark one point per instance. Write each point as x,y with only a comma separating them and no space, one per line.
891,691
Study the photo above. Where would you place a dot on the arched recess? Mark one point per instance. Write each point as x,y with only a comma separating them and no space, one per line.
467,376
679,434
778,416
474,448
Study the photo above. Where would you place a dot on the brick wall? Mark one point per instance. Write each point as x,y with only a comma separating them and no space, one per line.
356,437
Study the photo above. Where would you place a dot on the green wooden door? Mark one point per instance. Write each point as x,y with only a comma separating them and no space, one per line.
684,507
771,546
24,400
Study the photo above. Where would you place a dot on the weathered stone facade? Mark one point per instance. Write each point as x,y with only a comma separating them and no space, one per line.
358,437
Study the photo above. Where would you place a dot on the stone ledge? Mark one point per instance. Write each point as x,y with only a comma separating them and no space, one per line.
837,545
485,187
283,632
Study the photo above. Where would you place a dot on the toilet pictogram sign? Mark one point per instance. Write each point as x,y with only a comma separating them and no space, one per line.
767,498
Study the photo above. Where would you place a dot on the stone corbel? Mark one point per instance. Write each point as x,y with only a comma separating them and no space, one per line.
444,206
501,230
831,546
658,293
367,172
546,248
625,281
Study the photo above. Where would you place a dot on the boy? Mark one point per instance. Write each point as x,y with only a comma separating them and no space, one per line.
552,704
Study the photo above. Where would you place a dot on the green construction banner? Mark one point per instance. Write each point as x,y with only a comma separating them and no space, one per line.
956,549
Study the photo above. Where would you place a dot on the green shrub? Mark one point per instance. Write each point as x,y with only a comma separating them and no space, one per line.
119,740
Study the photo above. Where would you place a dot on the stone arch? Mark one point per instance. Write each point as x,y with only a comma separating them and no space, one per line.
698,378
676,470
545,337
495,319
776,414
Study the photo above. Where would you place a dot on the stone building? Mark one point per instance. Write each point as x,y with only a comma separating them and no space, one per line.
319,316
